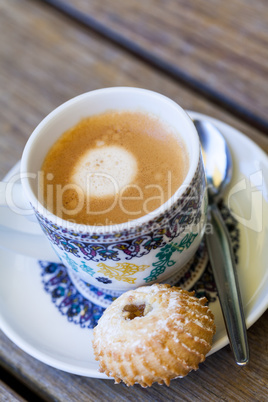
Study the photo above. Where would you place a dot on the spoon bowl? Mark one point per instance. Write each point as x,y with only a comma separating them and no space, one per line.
217,158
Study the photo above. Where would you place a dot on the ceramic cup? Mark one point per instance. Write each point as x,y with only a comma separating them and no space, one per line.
120,257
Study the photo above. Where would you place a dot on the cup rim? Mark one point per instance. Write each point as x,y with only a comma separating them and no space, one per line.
124,226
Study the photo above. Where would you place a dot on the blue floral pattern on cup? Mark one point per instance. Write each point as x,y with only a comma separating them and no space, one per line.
84,252
86,314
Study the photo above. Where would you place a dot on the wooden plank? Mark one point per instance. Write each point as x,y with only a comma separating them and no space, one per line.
218,47
7,394
46,59
60,62
217,379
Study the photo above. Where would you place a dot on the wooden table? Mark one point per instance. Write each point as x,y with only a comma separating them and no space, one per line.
208,55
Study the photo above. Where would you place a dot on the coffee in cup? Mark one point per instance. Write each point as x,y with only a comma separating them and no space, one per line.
112,168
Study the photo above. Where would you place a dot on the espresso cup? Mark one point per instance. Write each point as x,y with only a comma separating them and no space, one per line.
152,248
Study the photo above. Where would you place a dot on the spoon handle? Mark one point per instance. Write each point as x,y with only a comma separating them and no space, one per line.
224,270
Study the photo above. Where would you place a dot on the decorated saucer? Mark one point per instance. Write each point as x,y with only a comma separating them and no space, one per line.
46,315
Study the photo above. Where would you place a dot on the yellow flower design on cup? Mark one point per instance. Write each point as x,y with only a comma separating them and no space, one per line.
123,271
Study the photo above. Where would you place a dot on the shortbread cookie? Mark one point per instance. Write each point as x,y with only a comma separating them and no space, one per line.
153,334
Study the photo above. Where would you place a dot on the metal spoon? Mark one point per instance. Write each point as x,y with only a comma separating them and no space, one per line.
218,167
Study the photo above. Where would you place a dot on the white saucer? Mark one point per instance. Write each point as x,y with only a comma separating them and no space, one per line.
29,318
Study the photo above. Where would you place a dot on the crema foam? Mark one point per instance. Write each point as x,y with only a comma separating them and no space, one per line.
112,168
